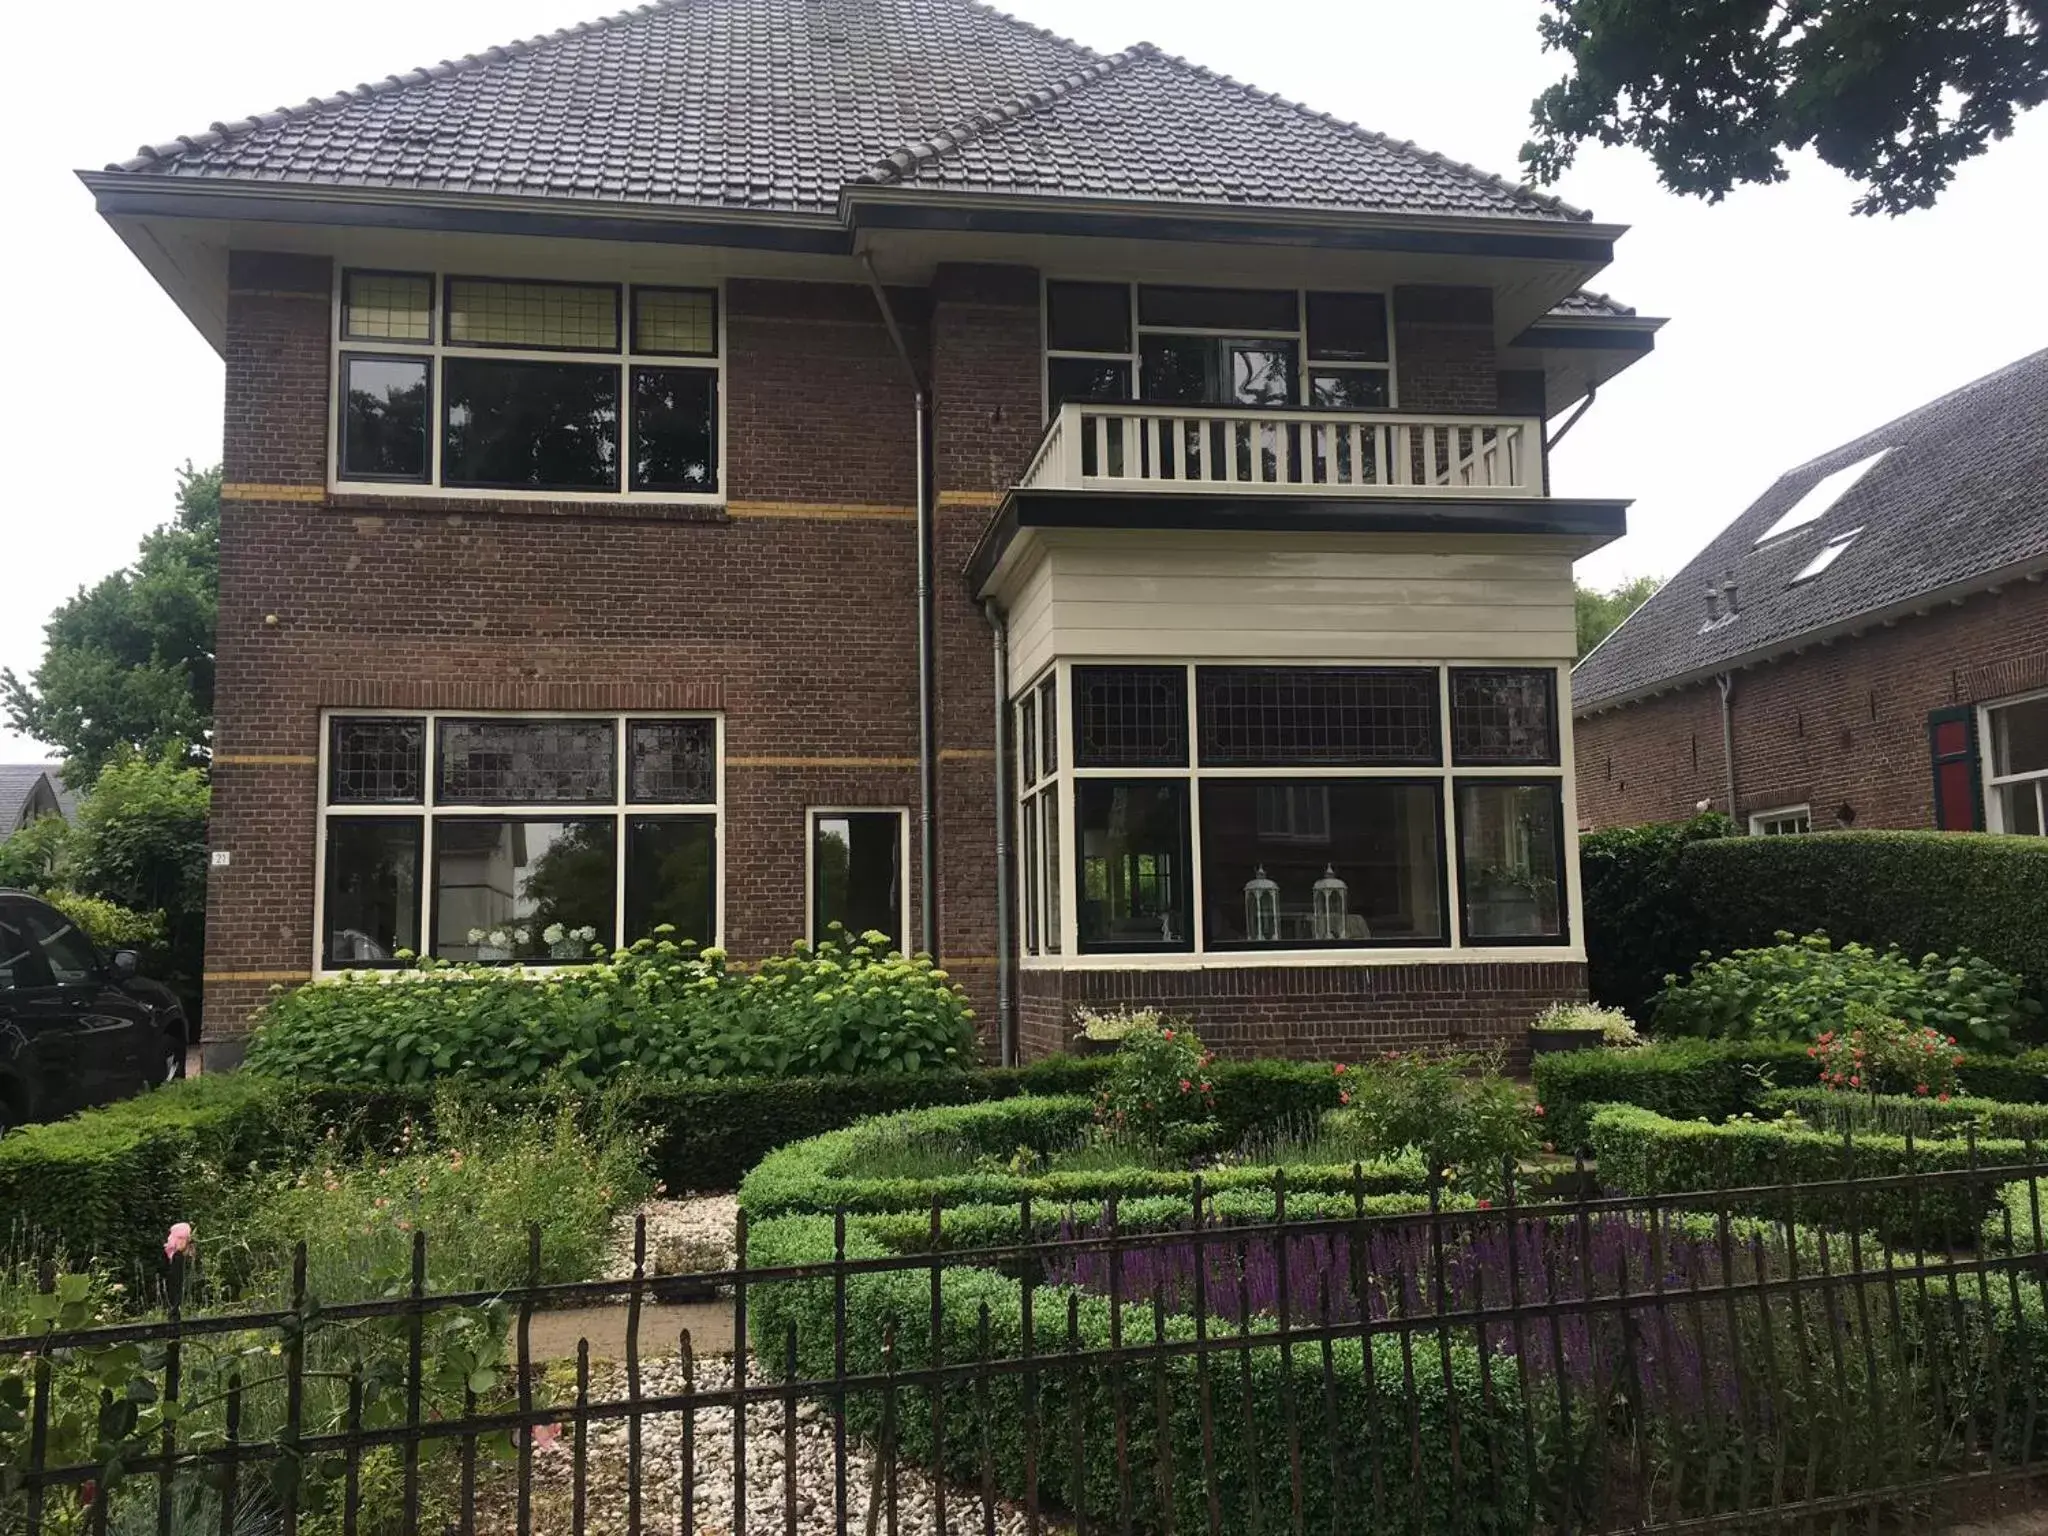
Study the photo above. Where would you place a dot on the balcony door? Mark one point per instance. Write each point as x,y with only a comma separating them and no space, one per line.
1183,369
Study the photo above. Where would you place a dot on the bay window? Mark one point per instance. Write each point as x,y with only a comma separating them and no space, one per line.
504,839
1234,808
482,384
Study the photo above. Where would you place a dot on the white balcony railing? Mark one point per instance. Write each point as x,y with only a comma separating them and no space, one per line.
1124,447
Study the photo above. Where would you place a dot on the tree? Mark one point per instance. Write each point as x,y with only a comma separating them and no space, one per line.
129,662
1895,95
1600,613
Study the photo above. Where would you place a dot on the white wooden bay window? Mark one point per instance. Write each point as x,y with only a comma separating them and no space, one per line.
1248,809
495,838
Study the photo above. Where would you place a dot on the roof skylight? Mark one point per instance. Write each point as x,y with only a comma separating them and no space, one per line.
1829,553
1824,493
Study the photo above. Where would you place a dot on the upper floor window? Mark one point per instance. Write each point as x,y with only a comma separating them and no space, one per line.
2017,778
1218,346
487,384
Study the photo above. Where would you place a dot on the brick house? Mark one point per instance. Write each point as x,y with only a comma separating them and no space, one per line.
1866,646
747,464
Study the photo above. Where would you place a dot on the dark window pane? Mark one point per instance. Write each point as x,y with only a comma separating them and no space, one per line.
1208,370
675,429
1049,711
531,426
1130,717
1317,716
1322,861
375,761
503,887
521,762
387,306
384,418
372,909
676,320
1133,863
857,874
1350,327
67,952
1220,309
1510,863
1028,875
1088,317
1503,715
21,960
672,762
672,877
1049,807
1086,378
1027,740
1350,389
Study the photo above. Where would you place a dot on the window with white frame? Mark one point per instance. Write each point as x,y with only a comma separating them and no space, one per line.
481,384
1783,821
514,838
1258,807
1038,863
2016,767
857,860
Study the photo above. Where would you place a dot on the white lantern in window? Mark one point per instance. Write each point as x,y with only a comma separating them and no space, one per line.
1331,896
1261,908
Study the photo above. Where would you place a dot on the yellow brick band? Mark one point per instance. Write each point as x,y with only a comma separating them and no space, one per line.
241,490
971,498
967,754
265,759
821,762
268,976
820,511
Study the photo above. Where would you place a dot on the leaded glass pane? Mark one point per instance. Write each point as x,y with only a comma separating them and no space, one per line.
375,761
387,306
572,316
1318,716
675,320
525,762
1130,717
1503,715
672,762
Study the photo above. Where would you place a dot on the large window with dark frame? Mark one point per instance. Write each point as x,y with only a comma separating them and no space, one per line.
504,839
488,384
1271,807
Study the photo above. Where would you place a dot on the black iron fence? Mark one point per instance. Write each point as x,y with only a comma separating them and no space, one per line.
1593,1364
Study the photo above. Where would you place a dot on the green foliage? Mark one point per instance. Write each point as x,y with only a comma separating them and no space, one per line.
1600,613
31,858
1644,1153
128,663
659,1009
1797,988
1457,1111
1926,892
1158,1090
1116,1023
1686,1079
1641,922
1874,1053
1894,97
109,925
1901,1114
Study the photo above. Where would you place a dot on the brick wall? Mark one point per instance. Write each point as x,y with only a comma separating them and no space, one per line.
1443,349
1322,1013
1842,728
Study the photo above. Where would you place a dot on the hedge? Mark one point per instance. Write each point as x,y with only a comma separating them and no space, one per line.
1898,1113
811,1176
1640,924
1453,1462
1645,1153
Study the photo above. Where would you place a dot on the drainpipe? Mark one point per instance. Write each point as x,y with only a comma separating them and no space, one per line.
927,751
1727,683
1006,1020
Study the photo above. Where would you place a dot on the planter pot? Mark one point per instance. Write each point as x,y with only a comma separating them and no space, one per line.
1085,1046
1543,1041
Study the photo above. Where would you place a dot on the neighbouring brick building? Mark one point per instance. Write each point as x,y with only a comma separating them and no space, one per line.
1871,637
747,464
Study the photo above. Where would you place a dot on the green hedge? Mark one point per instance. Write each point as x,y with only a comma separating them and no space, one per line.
1640,925
1897,1113
1466,1472
812,1176
1644,1153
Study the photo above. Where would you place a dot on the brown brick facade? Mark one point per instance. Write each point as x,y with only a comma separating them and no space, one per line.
1842,727
792,611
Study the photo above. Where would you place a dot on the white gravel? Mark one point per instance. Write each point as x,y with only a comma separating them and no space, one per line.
690,1235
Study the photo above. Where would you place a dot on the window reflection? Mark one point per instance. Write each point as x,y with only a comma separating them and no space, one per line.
1133,863
501,885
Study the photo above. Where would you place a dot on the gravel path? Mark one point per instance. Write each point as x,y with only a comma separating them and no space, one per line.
689,1235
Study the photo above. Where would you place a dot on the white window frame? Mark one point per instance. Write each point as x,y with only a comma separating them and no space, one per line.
811,815
1454,948
1994,802
1304,365
426,811
1760,821
624,359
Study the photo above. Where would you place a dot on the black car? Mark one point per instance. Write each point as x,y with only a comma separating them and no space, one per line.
76,1027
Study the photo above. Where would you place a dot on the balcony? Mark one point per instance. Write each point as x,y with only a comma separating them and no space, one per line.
1241,451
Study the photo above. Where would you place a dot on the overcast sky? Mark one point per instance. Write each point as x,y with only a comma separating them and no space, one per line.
1794,325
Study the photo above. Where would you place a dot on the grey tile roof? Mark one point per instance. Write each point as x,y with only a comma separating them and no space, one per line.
776,105
17,783
1599,305
1962,493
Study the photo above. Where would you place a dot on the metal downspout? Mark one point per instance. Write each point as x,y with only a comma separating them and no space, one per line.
1727,684
927,690
1006,1019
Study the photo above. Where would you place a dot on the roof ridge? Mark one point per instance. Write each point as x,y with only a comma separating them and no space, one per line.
148,155
1372,136
1032,27
893,166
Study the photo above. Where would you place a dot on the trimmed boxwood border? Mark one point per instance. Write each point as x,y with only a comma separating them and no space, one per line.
1894,1113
